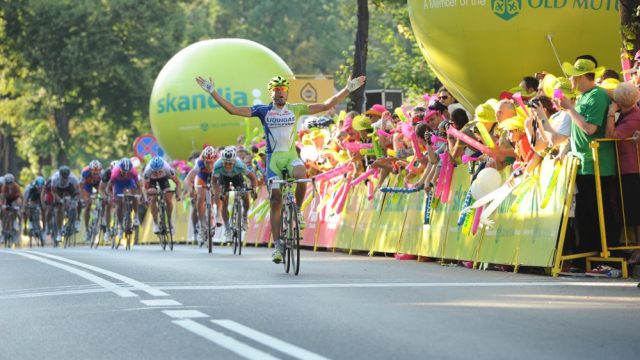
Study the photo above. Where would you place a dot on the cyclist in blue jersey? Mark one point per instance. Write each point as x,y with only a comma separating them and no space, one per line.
229,170
279,121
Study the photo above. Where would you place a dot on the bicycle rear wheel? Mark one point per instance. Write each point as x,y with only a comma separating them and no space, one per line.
294,239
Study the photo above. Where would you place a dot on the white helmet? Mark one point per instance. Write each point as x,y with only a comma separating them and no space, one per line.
229,153
95,165
209,153
9,179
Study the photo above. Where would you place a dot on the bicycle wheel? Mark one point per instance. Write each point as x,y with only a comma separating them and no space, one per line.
93,228
209,225
238,229
294,239
169,235
163,224
37,227
284,238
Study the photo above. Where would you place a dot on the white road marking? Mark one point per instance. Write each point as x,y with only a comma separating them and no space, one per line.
97,280
185,314
53,293
604,284
161,302
268,340
136,284
224,341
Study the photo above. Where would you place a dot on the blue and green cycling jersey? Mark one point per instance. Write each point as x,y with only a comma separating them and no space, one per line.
239,168
280,125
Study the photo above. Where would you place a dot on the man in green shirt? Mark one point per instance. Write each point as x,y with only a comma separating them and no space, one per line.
588,119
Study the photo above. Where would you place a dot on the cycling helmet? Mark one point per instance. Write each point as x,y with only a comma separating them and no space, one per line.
64,171
229,153
39,181
125,165
156,163
9,179
95,165
209,153
312,122
277,81
114,163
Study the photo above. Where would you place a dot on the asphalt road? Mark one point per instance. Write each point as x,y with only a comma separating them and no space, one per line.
187,304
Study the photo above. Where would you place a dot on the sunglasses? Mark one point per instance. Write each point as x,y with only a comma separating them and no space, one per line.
444,97
280,89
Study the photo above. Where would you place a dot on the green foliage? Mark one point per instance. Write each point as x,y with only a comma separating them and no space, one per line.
87,67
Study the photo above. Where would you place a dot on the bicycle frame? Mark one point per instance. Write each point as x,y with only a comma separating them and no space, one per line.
289,224
237,216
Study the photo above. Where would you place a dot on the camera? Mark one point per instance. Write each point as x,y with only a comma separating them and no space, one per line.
534,102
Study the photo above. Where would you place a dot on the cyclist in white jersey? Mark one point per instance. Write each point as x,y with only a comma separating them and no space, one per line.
279,120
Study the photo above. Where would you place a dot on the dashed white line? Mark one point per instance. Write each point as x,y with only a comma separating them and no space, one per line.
161,302
108,285
268,340
136,284
223,340
185,314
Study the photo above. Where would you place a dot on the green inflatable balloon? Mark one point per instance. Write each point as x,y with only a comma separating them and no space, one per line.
184,117
479,48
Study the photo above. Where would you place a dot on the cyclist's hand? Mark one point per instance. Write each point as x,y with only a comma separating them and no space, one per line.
254,194
178,197
206,85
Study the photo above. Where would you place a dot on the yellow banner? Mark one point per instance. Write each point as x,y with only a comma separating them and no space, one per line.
310,91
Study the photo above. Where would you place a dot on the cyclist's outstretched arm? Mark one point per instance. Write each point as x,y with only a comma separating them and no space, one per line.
176,181
352,85
207,85
188,180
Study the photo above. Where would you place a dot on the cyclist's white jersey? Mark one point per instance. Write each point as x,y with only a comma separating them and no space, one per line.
280,125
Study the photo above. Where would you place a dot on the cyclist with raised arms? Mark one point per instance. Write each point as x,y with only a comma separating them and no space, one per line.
230,170
279,120
90,180
199,176
158,172
64,183
123,177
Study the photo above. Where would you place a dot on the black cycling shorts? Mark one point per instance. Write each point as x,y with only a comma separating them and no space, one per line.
70,191
162,182
226,181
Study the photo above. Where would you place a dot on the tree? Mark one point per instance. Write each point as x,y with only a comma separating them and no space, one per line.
630,25
93,63
356,99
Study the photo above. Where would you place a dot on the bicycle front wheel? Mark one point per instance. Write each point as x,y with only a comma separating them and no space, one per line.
294,239
237,231
284,238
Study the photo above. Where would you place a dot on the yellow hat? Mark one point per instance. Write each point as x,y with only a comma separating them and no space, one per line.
581,67
513,123
361,123
610,84
522,91
485,113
